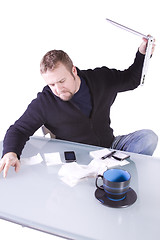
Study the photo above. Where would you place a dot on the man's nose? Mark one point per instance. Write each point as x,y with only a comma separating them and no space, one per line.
58,87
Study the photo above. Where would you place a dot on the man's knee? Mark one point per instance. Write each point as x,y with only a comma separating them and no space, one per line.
151,141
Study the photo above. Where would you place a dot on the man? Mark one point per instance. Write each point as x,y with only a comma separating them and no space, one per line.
75,106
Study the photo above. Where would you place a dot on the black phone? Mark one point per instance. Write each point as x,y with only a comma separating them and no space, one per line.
120,156
70,156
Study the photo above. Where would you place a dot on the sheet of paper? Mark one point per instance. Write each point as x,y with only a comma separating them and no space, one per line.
32,160
100,153
52,158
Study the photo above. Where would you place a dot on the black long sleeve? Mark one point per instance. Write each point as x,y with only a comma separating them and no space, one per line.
65,120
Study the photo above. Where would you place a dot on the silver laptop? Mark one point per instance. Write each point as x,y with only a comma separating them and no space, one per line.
148,49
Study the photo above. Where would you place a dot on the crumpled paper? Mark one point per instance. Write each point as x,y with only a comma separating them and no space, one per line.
72,173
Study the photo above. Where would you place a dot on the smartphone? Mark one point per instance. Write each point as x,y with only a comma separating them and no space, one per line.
70,156
120,156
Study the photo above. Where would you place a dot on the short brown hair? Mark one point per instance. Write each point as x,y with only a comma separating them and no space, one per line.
52,58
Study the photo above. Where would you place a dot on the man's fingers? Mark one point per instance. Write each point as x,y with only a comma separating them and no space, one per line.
7,161
2,164
17,166
6,168
143,46
145,40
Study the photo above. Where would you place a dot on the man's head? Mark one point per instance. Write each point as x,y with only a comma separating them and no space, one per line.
60,74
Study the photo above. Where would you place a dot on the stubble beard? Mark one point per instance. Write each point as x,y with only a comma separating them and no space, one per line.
66,96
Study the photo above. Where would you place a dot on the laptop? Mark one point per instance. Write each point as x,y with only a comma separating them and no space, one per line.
148,49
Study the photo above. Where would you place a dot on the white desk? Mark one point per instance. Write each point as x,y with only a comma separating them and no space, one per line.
37,198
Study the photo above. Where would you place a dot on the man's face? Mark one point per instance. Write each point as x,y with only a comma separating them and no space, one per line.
63,83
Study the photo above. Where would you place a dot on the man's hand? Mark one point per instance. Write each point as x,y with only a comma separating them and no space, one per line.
143,46
9,159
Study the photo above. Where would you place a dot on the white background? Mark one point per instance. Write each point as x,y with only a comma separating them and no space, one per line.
31,28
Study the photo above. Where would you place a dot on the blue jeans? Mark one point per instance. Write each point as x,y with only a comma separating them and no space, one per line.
142,141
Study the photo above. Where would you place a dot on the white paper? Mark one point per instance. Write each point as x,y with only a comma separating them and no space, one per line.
72,173
112,162
32,160
52,158
99,153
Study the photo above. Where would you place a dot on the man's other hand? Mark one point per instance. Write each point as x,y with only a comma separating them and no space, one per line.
143,46
9,159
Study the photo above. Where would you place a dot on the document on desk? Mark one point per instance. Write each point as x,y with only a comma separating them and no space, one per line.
32,160
50,159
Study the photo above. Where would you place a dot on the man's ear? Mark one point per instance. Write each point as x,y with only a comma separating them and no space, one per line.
74,71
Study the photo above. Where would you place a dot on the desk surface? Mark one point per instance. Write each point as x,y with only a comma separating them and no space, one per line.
37,198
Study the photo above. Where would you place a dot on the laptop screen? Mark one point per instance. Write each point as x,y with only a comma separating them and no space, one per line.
148,49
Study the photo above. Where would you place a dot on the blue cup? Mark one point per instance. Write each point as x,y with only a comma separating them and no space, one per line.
115,183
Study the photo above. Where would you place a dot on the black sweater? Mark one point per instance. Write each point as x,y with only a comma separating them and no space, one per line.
65,120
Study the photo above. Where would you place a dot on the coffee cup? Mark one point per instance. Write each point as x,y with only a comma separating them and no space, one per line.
115,183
